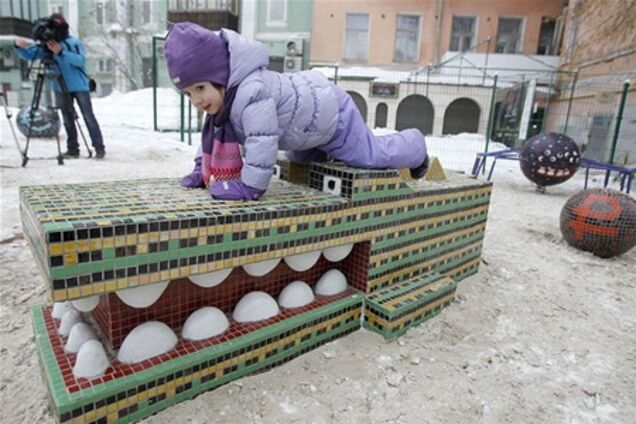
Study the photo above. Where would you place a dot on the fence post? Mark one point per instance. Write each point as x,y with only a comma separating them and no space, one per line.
189,123
619,118
483,77
567,116
490,118
547,103
182,125
154,83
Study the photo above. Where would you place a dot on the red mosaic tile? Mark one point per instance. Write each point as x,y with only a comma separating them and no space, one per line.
182,297
117,370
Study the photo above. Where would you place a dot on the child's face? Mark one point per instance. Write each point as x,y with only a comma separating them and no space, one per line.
205,96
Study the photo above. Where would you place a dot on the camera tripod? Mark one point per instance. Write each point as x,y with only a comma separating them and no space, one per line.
48,68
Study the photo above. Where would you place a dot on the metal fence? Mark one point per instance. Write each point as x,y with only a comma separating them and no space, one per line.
464,109
172,111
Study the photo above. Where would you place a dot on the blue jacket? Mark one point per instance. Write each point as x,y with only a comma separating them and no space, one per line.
71,62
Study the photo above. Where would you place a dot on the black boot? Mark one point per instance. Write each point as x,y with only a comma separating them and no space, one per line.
420,171
99,154
69,154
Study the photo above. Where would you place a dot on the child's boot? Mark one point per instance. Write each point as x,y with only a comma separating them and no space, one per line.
420,171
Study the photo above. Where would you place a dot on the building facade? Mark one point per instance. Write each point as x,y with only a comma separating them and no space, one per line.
416,43
284,26
599,52
16,17
117,35
406,33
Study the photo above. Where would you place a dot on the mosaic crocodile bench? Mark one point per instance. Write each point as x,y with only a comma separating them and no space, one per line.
412,241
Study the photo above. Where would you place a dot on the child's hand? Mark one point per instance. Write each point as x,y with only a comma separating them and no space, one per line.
234,190
195,178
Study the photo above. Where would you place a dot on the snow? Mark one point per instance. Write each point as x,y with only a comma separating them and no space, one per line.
543,333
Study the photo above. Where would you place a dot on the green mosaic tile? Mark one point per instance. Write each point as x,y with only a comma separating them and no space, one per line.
391,311
183,377
96,238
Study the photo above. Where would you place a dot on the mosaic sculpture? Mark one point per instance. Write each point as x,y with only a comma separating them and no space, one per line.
226,289
549,158
601,221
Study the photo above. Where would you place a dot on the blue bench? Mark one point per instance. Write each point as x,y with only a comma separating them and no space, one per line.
626,174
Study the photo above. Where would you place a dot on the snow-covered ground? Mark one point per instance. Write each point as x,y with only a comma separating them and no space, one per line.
543,333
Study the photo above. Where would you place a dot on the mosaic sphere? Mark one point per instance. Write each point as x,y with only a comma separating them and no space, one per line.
45,124
549,158
601,221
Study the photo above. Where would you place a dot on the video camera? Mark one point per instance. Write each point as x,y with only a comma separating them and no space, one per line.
49,29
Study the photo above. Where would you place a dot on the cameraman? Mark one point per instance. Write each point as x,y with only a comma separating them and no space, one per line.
68,53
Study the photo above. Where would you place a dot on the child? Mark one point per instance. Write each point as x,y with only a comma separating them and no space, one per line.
225,75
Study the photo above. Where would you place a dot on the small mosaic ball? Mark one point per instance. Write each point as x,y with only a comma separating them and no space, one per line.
601,221
549,158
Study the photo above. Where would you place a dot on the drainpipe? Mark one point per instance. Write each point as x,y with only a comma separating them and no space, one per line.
619,118
439,12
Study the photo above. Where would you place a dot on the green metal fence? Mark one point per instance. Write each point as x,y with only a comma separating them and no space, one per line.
172,111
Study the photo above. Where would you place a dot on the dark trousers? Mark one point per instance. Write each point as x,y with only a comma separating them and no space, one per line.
66,105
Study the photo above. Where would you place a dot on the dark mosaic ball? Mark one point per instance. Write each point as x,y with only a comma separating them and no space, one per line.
601,221
45,123
549,158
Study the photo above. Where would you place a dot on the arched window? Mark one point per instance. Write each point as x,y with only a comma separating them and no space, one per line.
381,111
415,111
360,103
462,115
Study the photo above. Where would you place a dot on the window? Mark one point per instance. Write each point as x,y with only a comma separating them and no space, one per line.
147,11
276,12
57,8
106,65
546,36
463,33
407,36
509,35
357,36
99,12
25,9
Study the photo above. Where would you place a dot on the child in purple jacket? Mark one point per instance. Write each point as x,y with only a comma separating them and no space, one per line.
225,75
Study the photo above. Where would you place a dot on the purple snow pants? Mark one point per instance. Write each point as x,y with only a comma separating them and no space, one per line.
355,144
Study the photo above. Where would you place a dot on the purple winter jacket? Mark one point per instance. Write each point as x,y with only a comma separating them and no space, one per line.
302,113
272,111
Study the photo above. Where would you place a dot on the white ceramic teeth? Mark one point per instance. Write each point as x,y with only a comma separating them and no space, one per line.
337,253
91,361
258,269
86,304
143,296
211,279
59,308
331,283
80,334
145,341
69,319
205,323
255,306
295,295
303,261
